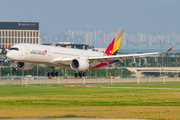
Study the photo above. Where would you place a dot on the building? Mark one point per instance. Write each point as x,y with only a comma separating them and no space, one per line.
69,45
76,46
100,49
19,32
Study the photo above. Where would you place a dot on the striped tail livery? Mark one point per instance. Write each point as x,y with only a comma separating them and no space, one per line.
112,49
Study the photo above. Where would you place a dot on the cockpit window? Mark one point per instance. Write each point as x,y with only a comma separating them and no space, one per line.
17,49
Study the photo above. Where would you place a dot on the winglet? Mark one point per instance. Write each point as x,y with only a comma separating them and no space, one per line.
169,49
6,48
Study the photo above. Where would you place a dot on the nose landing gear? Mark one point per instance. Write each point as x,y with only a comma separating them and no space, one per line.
14,66
80,74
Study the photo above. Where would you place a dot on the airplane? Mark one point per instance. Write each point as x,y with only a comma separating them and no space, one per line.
25,55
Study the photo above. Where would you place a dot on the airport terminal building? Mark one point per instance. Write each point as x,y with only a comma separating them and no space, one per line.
19,32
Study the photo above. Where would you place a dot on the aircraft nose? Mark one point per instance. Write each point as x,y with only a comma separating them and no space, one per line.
9,55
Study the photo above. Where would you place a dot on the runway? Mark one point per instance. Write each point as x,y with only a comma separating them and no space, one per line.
67,119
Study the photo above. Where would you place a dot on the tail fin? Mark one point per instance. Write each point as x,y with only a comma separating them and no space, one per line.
6,48
113,47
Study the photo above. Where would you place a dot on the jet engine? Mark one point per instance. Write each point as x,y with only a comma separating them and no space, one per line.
79,64
25,66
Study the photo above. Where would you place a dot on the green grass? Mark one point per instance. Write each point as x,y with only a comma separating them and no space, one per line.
48,90
101,93
135,84
53,101
144,84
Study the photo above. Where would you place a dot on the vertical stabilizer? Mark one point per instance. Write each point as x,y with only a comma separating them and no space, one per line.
113,47
7,47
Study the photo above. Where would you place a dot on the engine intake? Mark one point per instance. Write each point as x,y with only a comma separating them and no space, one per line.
25,66
79,64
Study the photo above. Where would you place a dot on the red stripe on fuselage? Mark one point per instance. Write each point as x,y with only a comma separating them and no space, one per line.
108,52
99,65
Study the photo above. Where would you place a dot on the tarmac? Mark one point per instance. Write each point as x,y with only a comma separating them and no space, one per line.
66,119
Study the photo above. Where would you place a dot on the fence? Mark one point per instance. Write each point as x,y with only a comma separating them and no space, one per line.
27,81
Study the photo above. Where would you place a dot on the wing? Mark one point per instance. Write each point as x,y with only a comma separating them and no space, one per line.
66,61
126,56
121,57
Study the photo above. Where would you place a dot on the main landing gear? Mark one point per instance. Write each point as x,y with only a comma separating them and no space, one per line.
80,74
52,74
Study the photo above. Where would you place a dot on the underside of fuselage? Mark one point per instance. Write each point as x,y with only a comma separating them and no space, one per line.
94,65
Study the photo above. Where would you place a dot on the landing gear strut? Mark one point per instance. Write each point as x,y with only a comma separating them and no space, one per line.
52,74
14,66
80,74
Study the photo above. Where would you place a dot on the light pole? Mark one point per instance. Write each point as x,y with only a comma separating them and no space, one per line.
124,62
1,61
166,67
161,51
63,72
23,73
121,71
11,68
177,60
37,71
139,62
45,71
160,69
96,72
176,64
1,65
90,73
106,72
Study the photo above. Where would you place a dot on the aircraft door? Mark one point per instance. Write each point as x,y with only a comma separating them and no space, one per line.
26,49
49,52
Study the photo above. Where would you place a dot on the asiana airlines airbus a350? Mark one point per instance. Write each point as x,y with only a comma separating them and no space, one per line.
26,55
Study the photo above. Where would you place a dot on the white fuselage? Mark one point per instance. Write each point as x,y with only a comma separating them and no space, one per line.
43,54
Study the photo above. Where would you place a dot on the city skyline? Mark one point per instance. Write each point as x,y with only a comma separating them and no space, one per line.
152,20
101,40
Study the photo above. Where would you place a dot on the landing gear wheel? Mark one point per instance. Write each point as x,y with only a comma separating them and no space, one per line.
52,74
76,75
14,68
48,74
56,73
84,74
80,74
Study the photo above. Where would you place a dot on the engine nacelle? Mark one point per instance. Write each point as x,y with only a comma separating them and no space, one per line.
79,64
25,66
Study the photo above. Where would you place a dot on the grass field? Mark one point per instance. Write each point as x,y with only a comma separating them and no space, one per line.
38,101
141,84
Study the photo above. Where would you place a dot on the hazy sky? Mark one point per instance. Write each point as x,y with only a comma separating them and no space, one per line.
162,16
